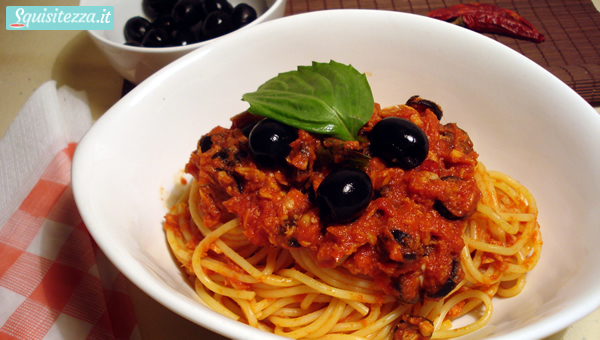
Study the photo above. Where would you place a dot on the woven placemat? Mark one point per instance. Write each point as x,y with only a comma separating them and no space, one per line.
572,29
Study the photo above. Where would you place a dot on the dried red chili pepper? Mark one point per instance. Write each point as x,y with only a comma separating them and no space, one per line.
453,12
488,18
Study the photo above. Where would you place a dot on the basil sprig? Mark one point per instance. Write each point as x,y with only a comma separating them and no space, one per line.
325,98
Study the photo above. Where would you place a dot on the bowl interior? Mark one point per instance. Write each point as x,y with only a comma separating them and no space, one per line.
523,121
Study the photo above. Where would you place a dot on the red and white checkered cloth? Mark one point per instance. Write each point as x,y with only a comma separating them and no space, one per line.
55,283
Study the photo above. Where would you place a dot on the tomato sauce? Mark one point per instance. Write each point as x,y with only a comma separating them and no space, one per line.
409,236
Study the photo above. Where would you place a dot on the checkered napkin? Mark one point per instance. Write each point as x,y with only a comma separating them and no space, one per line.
54,281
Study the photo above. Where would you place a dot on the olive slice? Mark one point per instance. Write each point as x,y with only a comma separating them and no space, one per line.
451,282
414,327
407,288
453,213
444,212
421,104
205,143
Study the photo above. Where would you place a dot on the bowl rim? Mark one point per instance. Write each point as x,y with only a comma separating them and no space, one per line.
175,49
549,325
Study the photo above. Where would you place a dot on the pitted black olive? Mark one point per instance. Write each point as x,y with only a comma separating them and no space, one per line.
185,21
217,5
420,104
136,28
242,15
344,194
216,24
158,6
399,142
156,37
183,38
188,12
205,143
247,129
164,21
196,30
270,141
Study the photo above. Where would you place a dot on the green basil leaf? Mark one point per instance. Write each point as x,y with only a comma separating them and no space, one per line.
325,98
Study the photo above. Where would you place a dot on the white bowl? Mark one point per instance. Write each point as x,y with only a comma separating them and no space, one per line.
522,120
138,63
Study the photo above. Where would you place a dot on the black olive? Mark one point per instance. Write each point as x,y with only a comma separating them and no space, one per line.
270,141
399,142
344,194
183,21
159,6
216,24
188,12
136,28
196,30
164,21
133,43
205,143
148,11
156,37
217,5
182,38
248,128
242,15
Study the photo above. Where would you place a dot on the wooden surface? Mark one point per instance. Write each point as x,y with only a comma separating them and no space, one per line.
572,30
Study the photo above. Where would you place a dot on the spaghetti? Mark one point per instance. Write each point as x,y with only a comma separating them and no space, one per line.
288,291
